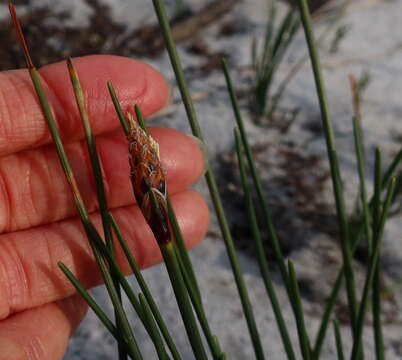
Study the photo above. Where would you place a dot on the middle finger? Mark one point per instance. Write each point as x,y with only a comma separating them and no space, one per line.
33,189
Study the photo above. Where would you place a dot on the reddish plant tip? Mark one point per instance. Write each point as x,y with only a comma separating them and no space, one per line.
71,67
70,63
20,34
355,94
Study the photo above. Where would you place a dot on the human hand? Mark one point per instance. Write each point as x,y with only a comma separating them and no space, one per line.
39,309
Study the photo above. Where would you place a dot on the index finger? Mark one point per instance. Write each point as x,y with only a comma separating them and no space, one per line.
22,125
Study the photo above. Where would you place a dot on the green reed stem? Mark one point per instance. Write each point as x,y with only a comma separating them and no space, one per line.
269,31
130,293
301,326
274,48
187,268
338,282
338,341
376,313
93,153
168,250
210,178
92,304
361,169
140,118
262,260
182,250
258,187
376,290
371,270
192,285
182,253
97,172
154,332
377,189
183,301
199,310
325,321
145,289
326,317
132,262
389,173
117,107
333,160
172,217
126,329
256,178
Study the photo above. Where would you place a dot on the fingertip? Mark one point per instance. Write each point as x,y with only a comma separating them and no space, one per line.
74,309
181,154
134,81
194,227
41,332
192,215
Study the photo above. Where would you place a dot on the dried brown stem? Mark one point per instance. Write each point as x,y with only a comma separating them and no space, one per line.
21,38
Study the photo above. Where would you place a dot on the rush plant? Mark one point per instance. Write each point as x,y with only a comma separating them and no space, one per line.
148,180
268,54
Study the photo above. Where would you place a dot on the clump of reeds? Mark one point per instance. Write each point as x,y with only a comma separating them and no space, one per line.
268,55
150,191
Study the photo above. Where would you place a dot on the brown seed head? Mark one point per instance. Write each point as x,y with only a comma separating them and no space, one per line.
148,175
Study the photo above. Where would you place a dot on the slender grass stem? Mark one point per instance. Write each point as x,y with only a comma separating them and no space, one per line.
330,305
258,187
172,217
183,301
377,189
169,253
389,173
187,268
154,332
267,60
140,118
92,304
327,315
376,290
192,285
376,313
262,260
338,341
97,172
182,250
199,310
371,270
144,288
269,33
93,153
301,327
130,293
117,107
256,179
333,160
181,253
210,178
359,149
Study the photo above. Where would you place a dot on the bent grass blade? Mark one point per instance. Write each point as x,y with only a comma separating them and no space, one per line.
210,178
